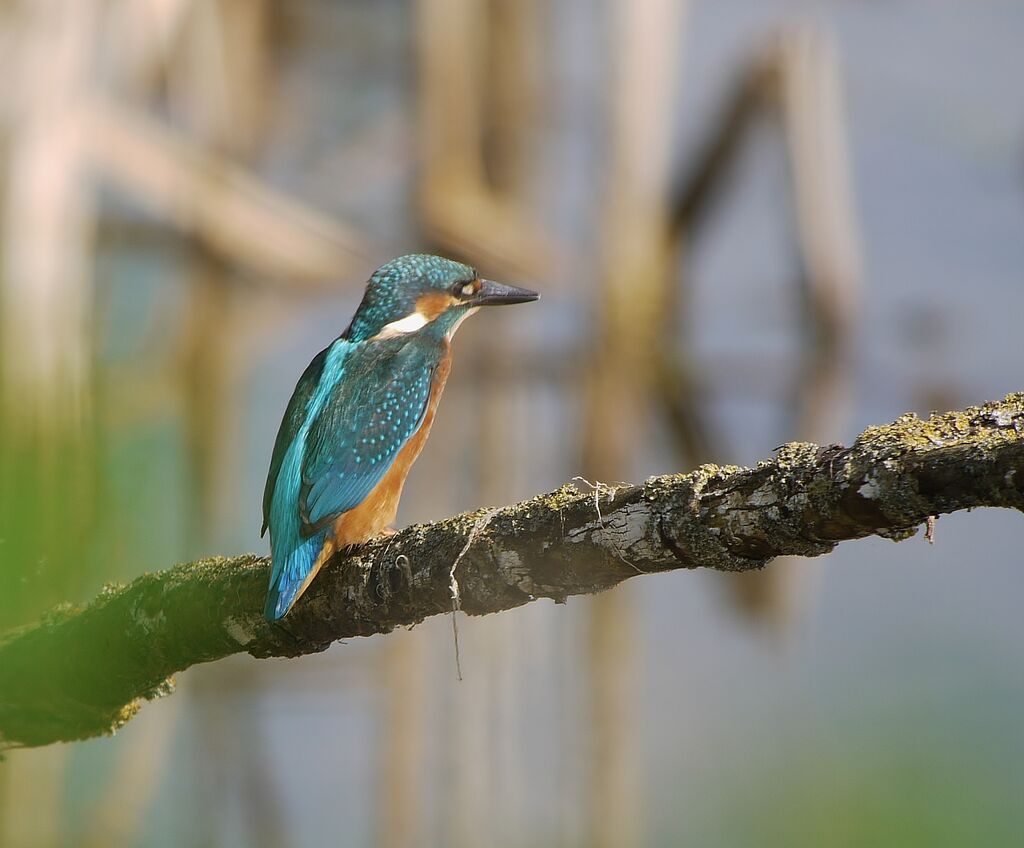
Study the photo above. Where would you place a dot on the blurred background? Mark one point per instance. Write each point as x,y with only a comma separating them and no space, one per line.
751,221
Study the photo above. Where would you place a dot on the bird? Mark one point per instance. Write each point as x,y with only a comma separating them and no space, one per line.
360,415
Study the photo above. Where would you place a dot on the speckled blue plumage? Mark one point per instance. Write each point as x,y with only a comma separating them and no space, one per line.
369,415
354,408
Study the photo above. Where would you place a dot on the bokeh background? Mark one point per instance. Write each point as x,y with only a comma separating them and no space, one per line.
751,221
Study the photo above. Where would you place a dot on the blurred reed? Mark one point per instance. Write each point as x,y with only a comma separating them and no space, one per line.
795,80
632,278
129,121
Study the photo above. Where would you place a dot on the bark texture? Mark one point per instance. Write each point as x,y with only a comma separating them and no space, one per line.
83,671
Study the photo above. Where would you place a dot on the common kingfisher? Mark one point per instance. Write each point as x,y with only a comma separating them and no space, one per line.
360,415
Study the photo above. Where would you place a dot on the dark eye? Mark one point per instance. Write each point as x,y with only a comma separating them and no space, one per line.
465,288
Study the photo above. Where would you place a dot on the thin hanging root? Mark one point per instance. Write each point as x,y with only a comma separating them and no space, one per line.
600,518
453,584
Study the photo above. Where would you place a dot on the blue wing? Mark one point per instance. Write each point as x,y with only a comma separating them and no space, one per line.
294,415
294,556
350,416
358,432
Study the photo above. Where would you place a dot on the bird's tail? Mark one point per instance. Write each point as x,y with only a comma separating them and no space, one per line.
292,573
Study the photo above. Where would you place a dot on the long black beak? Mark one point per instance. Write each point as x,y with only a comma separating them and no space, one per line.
493,294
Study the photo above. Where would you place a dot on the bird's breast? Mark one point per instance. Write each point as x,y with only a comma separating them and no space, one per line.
367,520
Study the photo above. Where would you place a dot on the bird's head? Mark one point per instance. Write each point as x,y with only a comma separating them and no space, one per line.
417,291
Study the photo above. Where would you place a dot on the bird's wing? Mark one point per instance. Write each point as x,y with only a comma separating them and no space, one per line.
372,412
294,415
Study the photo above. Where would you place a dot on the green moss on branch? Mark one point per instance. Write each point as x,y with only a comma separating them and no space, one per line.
82,671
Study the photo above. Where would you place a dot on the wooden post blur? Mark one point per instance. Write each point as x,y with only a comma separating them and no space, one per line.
461,210
212,198
812,113
401,746
796,80
45,286
477,104
634,274
45,342
216,81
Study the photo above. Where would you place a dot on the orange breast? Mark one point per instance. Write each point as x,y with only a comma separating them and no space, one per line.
378,509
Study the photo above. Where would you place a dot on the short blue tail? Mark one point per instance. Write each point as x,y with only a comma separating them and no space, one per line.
288,578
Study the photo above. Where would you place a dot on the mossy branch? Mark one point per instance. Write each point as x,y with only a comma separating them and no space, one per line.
82,672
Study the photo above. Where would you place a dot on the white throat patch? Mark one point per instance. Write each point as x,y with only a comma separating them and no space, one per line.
403,326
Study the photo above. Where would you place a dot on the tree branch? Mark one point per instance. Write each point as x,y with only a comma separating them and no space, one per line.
82,671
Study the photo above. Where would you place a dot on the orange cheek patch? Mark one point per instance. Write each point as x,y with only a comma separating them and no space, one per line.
430,306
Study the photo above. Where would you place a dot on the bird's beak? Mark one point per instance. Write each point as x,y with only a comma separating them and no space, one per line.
493,294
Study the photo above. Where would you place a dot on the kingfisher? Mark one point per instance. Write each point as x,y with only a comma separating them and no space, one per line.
361,413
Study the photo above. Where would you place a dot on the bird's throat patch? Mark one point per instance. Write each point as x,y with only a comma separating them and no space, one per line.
428,307
409,324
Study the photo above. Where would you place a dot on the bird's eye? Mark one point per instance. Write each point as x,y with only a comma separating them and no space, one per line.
466,289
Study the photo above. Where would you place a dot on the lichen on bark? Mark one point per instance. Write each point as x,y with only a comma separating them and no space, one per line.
83,671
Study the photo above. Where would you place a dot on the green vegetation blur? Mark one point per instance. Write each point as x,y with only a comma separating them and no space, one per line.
750,222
